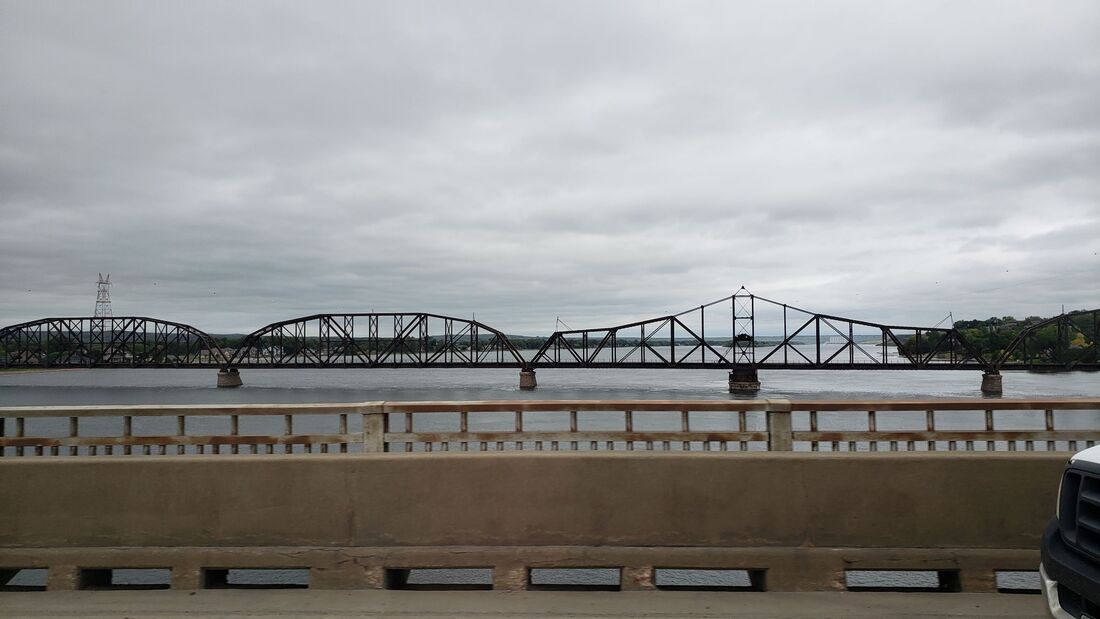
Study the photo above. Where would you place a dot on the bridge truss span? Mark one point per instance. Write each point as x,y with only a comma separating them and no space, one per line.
741,333
665,342
1068,341
748,331
371,340
835,342
120,341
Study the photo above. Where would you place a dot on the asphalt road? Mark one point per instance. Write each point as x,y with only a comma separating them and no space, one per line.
317,603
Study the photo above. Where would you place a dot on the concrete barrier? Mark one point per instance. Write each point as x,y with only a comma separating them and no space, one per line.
801,518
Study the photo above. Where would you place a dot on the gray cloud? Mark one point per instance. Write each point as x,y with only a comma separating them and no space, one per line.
236,163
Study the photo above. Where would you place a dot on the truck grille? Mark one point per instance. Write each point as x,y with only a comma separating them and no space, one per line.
1079,511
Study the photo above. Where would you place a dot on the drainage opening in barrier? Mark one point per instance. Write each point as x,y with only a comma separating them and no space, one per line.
256,578
23,579
902,580
575,578
1018,582
125,578
440,579
706,579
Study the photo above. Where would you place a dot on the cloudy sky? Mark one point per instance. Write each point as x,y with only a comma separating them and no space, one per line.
234,163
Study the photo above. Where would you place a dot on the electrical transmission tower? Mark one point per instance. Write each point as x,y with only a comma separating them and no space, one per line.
103,297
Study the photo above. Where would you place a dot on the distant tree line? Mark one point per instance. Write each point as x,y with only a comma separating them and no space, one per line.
992,336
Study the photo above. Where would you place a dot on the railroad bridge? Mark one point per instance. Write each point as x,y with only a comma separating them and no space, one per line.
747,333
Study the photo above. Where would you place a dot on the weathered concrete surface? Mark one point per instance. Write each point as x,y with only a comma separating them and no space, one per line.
992,383
254,603
886,500
229,378
801,519
785,568
744,380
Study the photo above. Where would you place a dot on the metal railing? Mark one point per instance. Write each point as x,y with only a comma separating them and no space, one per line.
554,425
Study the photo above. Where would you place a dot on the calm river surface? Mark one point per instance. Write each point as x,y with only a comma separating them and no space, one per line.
184,386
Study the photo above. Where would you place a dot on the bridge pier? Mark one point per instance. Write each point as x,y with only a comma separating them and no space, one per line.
991,383
744,380
527,380
229,377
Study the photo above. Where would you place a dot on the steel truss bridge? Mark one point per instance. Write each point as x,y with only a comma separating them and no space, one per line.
752,333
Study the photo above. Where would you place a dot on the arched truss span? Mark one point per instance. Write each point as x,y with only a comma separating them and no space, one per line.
744,330
121,341
396,340
1066,341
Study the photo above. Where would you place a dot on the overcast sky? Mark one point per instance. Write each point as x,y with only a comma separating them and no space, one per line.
235,163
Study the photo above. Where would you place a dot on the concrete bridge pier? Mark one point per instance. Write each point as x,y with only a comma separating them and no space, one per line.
991,383
527,380
229,377
744,380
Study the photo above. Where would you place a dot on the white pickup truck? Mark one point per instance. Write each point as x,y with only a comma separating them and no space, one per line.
1070,567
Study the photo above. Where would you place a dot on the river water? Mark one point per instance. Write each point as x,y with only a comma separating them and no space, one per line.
186,386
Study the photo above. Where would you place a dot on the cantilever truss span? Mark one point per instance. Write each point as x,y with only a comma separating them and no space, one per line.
752,331
739,331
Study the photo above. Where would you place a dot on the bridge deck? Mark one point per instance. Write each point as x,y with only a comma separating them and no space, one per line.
316,603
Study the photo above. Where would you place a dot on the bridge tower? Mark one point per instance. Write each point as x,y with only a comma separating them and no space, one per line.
744,329
743,376
103,297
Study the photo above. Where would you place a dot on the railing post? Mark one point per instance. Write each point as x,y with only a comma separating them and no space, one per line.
637,579
779,425
186,577
981,579
510,577
63,578
374,427
346,575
